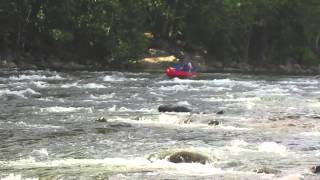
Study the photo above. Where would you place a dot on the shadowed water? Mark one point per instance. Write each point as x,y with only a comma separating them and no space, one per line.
48,128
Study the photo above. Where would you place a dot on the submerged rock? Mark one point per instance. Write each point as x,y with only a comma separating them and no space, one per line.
188,157
315,169
213,123
101,119
120,125
172,108
266,170
187,121
220,112
105,130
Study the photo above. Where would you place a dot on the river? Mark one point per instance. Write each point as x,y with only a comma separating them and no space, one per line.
48,127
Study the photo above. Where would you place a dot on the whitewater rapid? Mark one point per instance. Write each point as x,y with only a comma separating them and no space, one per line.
48,128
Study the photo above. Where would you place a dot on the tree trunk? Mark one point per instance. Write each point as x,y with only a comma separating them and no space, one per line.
317,43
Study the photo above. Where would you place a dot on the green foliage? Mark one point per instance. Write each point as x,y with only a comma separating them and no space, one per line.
60,35
253,31
309,57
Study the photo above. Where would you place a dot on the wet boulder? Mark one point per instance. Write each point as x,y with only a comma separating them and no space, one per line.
220,112
266,170
101,119
105,130
119,125
188,157
315,169
213,123
173,108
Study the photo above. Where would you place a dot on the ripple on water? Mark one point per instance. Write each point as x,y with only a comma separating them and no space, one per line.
59,109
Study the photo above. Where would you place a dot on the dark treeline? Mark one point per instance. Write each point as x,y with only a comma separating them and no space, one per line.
117,31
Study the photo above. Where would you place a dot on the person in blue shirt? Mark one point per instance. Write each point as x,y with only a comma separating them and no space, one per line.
186,64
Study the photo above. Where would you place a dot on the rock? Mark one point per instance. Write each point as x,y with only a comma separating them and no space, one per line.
245,67
315,169
8,64
288,68
138,118
266,170
188,157
217,64
220,112
54,62
298,68
213,123
101,119
75,65
171,108
187,121
105,130
120,124
291,125
24,65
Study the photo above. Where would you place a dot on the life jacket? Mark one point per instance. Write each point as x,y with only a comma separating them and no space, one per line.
187,66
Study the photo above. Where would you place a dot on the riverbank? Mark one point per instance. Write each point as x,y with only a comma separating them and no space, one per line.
153,61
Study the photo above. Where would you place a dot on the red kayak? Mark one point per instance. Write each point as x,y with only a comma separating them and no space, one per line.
173,72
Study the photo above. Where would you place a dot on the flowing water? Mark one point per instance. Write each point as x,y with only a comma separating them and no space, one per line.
48,128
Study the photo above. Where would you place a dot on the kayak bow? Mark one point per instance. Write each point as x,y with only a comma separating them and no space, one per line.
173,72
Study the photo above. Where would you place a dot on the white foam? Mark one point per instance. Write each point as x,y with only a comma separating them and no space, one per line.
215,82
310,133
12,176
113,108
292,177
188,81
234,128
40,126
84,86
175,88
20,93
232,99
183,103
235,147
59,109
208,88
42,152
31,91
93,86
69,85
315,92
269,90
46,99
113,78
272,147
314,104
238,143
104,96
34,77
169,119
239,148
163,120
127,165
40,84
124,109
300,81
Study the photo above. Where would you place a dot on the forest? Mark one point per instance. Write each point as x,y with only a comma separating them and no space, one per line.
118,31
